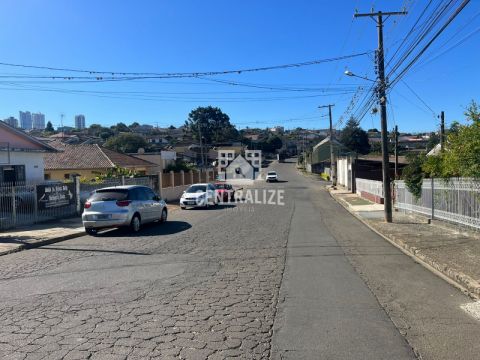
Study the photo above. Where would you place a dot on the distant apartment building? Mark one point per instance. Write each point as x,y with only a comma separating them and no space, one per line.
38,121
80,122
11,121
25,120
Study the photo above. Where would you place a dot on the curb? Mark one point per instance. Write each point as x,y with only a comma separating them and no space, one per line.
49,241
43,242
458,279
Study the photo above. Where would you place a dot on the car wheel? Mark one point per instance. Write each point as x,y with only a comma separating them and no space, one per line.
183,207
163,218
92,232
135,224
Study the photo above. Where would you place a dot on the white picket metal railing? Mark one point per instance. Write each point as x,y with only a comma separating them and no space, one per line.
370,186
456,200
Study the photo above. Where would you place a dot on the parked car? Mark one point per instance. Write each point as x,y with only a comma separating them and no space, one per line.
122,206
272,176
224,191
199,195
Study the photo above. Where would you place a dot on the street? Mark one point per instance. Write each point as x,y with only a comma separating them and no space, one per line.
303,280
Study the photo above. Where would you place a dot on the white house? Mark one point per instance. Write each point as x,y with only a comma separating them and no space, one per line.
21,156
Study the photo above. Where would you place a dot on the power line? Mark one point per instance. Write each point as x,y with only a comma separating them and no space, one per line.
150,75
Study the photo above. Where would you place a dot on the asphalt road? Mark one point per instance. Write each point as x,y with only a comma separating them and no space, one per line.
292,281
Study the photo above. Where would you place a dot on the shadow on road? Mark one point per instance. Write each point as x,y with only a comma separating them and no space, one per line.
95,250
153,229
210,208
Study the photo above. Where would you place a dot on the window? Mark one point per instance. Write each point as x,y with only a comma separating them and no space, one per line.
150,194
66,176
230,155
12,173
109,194
222,154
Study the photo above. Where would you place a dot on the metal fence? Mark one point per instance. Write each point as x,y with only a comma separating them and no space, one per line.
454,200
369,186
29,203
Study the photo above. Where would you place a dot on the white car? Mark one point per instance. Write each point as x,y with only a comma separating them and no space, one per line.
271,176
199,195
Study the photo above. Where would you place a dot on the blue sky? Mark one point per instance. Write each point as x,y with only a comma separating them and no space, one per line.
190,36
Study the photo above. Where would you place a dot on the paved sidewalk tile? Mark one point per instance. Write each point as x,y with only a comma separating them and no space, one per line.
40,234
452,250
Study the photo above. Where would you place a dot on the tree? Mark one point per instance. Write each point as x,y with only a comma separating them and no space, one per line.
214,125
354,137
171,127
127,143
120,127
433,140
413,174
462,154
49,127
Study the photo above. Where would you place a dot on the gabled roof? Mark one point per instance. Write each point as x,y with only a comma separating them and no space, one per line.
90,156
20,140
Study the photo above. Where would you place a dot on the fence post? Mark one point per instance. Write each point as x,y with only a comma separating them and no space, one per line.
160,185
14,207
123,179
78,205
191,176
183,176
35,204
433,199
172,178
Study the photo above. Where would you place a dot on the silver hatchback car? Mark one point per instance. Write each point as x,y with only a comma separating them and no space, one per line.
119,206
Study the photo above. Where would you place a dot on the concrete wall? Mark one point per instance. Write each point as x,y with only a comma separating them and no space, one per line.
173,193
33,161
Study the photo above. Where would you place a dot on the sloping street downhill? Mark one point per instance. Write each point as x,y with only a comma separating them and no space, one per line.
294,281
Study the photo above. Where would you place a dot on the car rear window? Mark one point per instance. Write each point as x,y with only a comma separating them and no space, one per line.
272,173
221,186
109,195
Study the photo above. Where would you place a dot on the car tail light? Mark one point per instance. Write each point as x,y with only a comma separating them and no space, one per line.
123,202
87,205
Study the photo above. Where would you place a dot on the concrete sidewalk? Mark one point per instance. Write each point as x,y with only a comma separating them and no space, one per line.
40,234
450,251
46,233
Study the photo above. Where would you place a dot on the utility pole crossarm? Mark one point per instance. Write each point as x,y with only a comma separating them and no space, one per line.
380,13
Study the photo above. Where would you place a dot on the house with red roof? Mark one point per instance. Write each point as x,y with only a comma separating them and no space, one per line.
21,156
89,161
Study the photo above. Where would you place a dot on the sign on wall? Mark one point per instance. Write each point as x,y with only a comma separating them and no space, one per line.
55,195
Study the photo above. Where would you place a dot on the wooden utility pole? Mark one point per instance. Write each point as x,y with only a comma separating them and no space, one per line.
333,160
382,98
442,130
396,152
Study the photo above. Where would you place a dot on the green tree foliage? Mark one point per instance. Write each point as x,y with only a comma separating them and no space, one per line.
127,143
98,130
49,128
120,127
433,140
354,137
179,165
215,125
413,174
461,157
116,172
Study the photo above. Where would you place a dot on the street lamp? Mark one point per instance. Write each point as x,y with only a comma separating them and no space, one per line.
349,73
382,100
